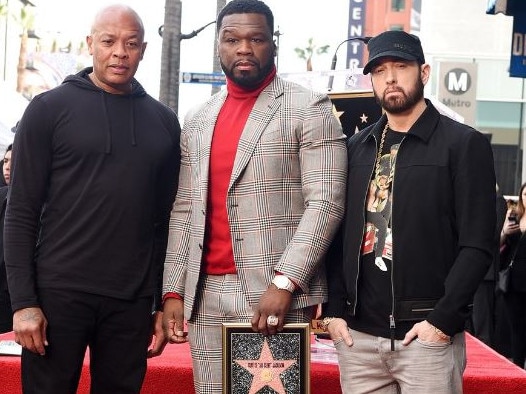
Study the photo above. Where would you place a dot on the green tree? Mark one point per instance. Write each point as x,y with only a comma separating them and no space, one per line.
308,52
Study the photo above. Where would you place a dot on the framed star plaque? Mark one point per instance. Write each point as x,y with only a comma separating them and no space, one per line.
276,364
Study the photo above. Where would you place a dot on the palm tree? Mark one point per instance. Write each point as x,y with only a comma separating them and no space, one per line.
216,68
26,20
171,52
4,8
309,51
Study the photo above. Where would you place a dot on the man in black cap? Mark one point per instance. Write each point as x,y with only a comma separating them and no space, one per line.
398,305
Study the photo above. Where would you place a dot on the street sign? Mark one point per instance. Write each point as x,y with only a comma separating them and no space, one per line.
209,78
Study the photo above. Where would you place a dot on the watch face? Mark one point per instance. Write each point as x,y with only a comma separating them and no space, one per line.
281,281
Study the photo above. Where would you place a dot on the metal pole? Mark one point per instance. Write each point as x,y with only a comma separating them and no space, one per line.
5,38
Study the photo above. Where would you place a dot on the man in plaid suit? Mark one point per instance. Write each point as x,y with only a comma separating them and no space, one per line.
261,195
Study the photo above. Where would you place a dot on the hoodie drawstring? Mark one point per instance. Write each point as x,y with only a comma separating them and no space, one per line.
107,150
133,135
132,122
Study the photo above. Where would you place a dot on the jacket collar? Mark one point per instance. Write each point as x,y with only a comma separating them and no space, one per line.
423,128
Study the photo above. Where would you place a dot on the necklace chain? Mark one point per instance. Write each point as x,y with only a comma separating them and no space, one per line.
386,182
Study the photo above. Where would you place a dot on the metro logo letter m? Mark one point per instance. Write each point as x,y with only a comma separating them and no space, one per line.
457,82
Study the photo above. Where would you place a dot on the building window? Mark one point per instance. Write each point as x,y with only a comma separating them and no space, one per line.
397,5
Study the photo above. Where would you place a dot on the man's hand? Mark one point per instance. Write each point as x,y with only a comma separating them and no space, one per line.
29,325
337,329
274,302
159,339
173,320
426,332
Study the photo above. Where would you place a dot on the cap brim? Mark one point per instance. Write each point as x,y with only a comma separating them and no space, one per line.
400,55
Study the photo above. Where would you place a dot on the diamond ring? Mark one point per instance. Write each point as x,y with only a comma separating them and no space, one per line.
272,320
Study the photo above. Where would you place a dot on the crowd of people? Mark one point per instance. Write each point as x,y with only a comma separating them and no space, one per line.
124,233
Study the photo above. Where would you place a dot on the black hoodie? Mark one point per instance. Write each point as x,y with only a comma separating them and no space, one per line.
93,179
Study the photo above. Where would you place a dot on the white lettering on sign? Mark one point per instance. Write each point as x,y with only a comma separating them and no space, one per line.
353,64
518,46
356,14
457,81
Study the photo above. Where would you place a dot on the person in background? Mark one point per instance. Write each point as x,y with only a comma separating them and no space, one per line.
483,318
398,322
261,195
513,247
6,313
94,176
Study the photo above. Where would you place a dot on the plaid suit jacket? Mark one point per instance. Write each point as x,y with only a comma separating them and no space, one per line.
285,199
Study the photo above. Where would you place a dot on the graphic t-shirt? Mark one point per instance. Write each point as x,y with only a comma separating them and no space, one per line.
375,299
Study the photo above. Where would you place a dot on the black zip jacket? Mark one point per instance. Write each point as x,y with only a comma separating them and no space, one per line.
94,177
443,221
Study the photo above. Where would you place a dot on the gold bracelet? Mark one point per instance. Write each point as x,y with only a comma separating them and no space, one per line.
441,334
325,323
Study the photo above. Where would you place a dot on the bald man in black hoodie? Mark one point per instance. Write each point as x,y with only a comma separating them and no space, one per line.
94,177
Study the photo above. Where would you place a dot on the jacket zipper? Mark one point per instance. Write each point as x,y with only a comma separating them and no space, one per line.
392,324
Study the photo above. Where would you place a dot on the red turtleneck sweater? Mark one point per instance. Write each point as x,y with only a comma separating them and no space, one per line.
218,257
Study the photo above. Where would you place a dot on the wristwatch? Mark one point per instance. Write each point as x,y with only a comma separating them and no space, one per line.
283,283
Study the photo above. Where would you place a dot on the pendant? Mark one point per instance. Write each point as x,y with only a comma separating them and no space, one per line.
380,263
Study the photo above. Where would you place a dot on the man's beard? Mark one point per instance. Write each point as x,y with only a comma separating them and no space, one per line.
397,105
247,80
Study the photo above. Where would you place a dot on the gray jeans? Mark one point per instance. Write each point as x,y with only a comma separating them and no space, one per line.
369,365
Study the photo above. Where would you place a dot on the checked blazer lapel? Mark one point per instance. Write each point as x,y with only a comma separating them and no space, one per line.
266,105
205,125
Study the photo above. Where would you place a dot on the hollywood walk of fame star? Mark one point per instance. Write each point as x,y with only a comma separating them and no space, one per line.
266,370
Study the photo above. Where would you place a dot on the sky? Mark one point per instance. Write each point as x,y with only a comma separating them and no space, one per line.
297,21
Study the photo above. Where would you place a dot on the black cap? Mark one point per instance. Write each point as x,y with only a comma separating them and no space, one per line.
394,43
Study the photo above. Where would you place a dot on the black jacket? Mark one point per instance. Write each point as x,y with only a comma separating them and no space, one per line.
443,221
94,177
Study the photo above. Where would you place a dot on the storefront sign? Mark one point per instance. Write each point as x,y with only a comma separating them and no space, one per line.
518,46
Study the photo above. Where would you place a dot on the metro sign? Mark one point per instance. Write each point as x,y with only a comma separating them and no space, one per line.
457,81
458,88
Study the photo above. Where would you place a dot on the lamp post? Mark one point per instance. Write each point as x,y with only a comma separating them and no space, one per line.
365,40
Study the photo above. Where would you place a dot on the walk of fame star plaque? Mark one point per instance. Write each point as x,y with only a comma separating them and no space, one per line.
276,364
